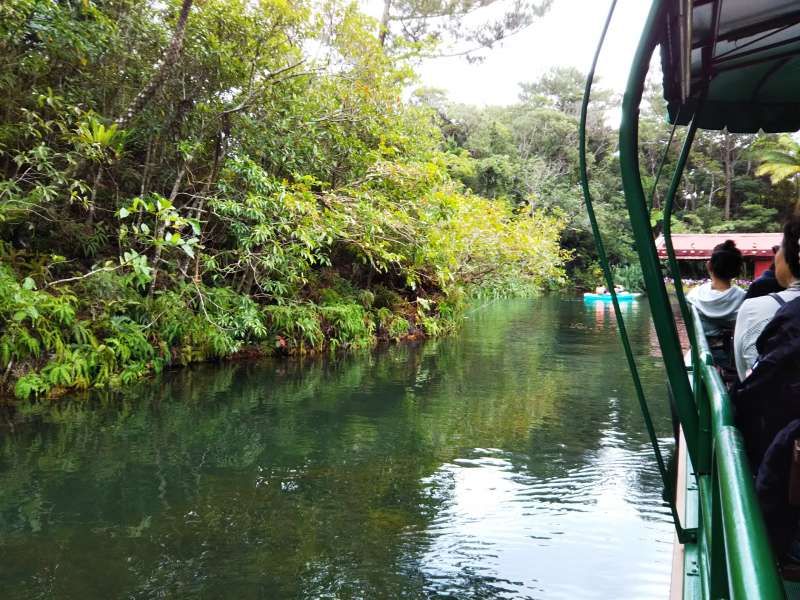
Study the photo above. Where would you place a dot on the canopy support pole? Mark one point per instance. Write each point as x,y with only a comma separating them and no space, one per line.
640,222
669,488
669,201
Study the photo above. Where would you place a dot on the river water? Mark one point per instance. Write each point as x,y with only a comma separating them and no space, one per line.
507,461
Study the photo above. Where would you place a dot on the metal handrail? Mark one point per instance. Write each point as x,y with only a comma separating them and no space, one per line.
639,214
736,557
752,571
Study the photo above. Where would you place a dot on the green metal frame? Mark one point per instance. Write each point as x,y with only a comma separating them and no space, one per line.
640,223
684,535
732,552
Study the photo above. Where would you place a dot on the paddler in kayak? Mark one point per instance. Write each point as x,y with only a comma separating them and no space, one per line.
602,290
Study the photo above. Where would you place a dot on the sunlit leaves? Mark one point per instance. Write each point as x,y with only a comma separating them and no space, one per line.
96,141
779,160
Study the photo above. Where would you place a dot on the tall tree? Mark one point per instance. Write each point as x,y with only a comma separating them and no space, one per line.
455,27
562,88
164,68
730,151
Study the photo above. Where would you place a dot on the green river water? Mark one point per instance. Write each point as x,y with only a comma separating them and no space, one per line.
507,461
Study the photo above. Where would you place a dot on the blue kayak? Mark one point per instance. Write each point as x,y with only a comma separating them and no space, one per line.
607,297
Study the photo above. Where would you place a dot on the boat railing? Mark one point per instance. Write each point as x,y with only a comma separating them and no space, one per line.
729,546
735,559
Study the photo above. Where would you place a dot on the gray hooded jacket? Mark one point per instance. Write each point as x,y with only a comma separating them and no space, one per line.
717,309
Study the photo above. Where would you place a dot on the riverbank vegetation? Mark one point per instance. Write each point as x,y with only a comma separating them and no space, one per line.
186,181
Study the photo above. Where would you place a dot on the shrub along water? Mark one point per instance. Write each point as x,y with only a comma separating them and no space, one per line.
259,185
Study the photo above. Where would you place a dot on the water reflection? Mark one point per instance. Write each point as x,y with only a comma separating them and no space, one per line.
519,536
509,461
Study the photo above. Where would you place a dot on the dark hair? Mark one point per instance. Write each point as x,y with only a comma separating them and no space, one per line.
726,260
791,245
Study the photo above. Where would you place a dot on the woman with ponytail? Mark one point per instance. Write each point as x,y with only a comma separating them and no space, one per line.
718,300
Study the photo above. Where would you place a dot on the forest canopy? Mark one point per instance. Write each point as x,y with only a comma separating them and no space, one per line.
527,154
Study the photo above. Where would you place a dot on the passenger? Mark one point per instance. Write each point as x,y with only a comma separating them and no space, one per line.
601,289
718,300
774,490
755,313
766,284
767,412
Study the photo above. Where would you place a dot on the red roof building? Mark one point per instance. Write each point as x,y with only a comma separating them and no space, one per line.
698,246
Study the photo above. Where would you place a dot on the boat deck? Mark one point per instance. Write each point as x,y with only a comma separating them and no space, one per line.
685,572
685,581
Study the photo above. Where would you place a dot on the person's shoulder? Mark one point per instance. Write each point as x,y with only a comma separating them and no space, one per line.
754,306
759,302
763,286
784,327
789,294
738,296
754,290
792,305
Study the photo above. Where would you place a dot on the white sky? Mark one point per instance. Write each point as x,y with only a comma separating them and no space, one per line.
566,35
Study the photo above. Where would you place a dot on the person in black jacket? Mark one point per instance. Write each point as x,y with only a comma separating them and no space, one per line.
769,397
766,283
767,407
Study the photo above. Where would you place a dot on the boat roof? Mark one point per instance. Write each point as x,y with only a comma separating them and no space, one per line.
742,55
699,246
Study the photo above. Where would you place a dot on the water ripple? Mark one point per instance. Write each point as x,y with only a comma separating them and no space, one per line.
517,532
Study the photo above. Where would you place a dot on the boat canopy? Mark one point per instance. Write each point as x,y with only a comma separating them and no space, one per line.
733,63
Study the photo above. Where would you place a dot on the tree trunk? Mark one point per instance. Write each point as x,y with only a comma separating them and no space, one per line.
95,185
247,281
653,169
146,168
728,175
711,192
167,64
387,5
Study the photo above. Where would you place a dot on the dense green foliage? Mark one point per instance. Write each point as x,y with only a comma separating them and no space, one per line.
261,183
527,153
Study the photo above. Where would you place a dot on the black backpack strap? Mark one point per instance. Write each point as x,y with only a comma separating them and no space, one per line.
777,298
